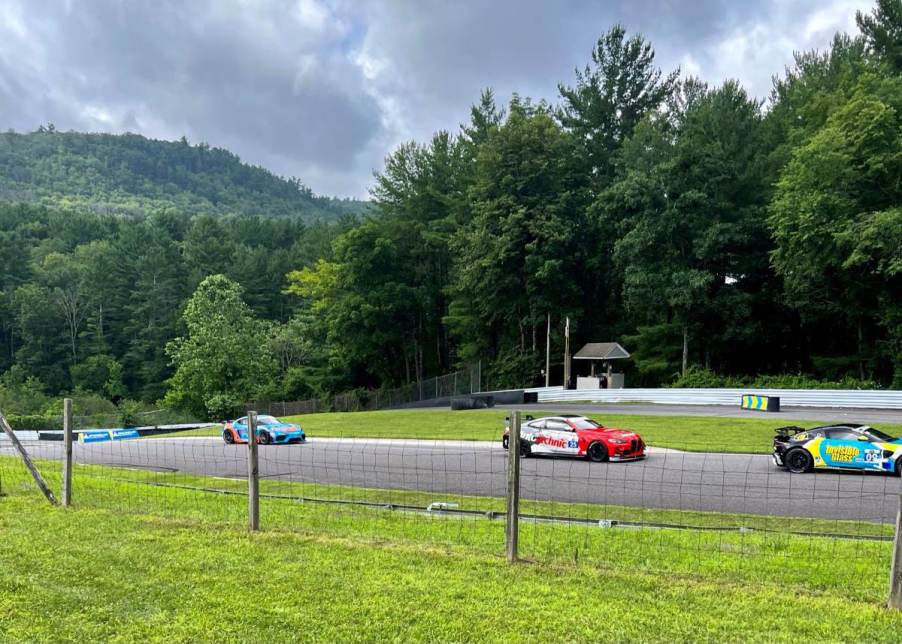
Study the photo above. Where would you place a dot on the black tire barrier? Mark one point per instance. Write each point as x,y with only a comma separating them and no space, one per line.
472,402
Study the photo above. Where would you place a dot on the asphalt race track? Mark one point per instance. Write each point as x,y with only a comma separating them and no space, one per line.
786,416
740,483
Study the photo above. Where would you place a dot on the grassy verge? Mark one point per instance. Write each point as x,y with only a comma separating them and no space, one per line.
97,479
140,563
692,433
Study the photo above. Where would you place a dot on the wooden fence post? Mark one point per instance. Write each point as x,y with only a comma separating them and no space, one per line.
512,531
36,475
67,452
253,474
895,571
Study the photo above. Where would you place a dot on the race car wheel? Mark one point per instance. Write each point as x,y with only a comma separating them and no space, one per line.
264,438
228,438
798,461
899,466
597,452
525,449
504,442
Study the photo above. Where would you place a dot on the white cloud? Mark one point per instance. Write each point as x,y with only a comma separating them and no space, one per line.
325,89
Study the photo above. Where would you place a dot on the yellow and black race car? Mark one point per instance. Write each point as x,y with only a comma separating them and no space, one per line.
856,447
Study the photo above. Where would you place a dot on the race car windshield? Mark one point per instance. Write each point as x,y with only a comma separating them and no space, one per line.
880,436
266,420
584,423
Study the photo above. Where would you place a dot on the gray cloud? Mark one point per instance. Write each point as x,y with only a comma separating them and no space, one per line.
324,90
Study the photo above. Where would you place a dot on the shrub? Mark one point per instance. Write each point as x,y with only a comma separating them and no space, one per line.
34,422
701,378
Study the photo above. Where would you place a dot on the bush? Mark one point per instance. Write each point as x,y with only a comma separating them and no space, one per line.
128,413
697,377
512,369
34,422
22,394
800,381
225,405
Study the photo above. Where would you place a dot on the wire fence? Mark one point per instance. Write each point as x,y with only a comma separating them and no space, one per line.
678,511
461,382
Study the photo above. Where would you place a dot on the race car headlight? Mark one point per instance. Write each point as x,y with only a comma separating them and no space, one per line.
618,441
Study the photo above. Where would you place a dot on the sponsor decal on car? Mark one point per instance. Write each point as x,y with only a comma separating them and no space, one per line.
842,453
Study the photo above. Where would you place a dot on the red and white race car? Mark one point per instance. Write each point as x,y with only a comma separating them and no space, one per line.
577,436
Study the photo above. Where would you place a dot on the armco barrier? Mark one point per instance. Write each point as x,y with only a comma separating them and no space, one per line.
848,398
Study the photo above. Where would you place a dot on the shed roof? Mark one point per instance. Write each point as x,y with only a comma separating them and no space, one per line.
601,351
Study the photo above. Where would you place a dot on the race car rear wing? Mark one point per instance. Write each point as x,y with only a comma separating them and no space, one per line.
789,430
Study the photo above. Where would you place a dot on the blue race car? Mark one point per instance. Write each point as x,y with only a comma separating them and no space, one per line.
270,431
856,447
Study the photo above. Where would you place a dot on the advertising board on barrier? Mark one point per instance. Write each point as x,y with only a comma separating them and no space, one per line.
99,436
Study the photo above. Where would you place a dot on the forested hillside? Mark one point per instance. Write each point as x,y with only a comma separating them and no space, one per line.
713,234
130,174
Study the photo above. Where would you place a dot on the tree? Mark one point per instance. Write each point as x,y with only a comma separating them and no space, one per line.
612,95
223,361
208,249
836,212
882,31
688,210
64,275
520,257
150,287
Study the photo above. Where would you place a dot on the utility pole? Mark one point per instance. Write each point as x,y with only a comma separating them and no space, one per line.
548,353
567,353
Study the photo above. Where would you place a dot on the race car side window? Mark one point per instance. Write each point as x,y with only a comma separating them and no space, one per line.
537,424
558,425
876,434
842,434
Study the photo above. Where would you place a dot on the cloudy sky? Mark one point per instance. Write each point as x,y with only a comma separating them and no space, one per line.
324,89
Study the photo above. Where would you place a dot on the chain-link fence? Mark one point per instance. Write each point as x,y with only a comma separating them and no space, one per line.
462,382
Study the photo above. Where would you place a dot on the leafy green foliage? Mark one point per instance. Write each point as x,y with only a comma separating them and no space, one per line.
686,221
699,377
224,359
131,175
89,301
839,195
520,256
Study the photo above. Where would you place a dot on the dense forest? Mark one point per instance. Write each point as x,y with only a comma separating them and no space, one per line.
715,235
132,175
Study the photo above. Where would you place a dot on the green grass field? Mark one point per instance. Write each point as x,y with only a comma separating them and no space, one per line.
134,562
692,433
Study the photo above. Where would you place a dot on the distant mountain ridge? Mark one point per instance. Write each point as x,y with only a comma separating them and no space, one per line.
129,174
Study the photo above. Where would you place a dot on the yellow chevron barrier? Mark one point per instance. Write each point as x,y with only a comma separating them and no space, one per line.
759,403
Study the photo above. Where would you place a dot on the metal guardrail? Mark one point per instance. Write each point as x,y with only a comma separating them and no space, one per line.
841,398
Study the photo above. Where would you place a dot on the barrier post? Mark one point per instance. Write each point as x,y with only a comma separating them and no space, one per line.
253,474
895,572
67,452
512,528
